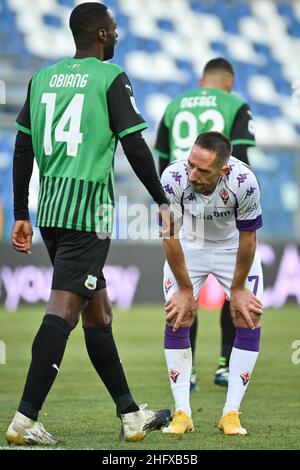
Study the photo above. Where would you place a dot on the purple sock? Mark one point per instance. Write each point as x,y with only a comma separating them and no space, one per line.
247,339
179,339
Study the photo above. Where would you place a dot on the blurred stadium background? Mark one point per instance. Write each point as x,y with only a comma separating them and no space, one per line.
163,46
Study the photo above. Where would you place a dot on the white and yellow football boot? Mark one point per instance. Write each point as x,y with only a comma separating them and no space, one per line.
136,425
25,431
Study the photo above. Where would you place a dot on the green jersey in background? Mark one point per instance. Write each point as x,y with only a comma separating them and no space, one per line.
201,110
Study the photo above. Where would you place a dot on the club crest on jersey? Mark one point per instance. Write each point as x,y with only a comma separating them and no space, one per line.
174,375
91,282
168,285
245,377
224,195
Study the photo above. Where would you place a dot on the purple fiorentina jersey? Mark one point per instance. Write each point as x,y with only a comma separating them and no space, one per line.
214,220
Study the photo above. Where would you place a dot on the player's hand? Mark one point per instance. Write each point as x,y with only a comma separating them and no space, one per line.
181,308
22,236
243,302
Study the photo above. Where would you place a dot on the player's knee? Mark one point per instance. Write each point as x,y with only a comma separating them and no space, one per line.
240,321
100,319
68,315
73,319
106,315
66,305
256,319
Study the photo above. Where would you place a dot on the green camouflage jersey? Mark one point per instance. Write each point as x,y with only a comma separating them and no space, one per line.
75,112
201,110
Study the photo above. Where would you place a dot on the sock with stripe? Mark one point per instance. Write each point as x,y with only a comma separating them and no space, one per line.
242,361
47,352
179,362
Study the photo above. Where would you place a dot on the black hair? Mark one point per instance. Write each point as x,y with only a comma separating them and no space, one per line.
86,19
215,142
218,64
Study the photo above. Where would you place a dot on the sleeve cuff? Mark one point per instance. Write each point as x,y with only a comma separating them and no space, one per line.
247,142
253,224
130,130
23,128
21,216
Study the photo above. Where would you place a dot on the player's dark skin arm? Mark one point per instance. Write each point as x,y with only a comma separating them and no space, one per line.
245,307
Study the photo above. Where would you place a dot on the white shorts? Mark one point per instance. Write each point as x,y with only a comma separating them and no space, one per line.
220,263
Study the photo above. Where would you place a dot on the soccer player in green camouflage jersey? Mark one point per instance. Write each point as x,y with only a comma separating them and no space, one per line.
210,107
74,115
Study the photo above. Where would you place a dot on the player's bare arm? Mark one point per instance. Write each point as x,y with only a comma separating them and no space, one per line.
181,307
140,158
243,302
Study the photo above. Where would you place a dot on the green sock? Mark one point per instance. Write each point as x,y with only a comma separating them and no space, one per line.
222,361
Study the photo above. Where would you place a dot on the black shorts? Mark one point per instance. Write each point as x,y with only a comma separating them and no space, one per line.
78,259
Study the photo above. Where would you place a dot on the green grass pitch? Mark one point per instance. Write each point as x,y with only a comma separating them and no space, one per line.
79,411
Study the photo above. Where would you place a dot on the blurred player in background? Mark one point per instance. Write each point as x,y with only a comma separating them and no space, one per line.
210,107
218,199
74,114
